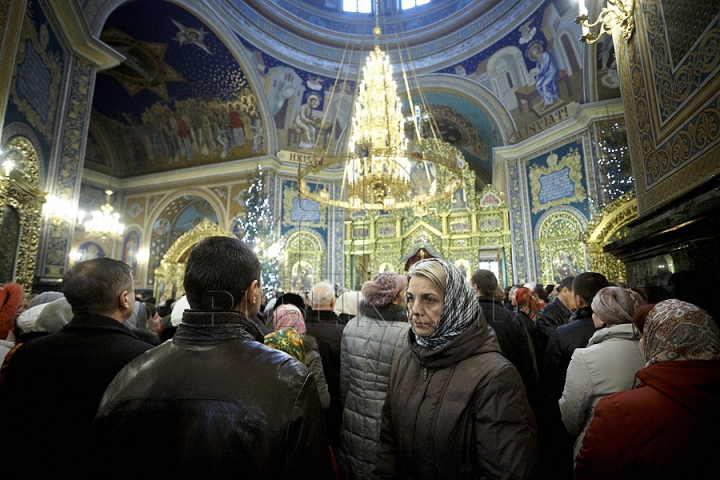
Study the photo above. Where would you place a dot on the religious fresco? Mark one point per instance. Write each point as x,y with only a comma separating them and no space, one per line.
310,111
180,99
35,85
536,71
606,69
131,245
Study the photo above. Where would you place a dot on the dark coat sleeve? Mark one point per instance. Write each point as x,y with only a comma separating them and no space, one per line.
505,430
309,454
387,453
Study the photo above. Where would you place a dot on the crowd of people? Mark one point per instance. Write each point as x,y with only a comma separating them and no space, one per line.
425,376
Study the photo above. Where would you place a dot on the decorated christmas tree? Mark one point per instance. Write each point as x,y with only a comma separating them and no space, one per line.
614,170
257,227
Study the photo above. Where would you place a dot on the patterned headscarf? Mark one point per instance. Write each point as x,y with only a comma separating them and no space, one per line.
675,330
289,316
615,305
460,308
527,302
288,340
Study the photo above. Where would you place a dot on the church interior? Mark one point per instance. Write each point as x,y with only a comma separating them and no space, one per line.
510,135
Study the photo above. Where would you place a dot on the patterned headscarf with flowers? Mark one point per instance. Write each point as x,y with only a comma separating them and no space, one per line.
675,330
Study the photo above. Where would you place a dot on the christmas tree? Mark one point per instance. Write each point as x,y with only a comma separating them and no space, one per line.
614,169
258,231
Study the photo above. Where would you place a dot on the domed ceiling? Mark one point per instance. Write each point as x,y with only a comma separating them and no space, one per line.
214,81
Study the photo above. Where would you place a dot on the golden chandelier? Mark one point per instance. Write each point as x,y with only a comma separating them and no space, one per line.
379,160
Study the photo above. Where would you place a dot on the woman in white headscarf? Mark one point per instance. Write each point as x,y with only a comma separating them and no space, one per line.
455,407
667,426
607,365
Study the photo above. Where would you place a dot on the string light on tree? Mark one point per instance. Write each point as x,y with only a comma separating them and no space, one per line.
614,169
258,231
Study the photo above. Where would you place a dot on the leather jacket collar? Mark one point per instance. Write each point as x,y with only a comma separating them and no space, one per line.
217,325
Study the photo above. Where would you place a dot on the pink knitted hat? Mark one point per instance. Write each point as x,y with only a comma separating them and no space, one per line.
382,289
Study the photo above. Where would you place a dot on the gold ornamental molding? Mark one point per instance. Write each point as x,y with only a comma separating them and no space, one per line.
604,228
617,13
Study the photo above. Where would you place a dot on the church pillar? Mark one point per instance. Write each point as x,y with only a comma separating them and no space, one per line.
65,167
67,172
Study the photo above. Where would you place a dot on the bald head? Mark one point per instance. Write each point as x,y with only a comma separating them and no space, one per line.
323,296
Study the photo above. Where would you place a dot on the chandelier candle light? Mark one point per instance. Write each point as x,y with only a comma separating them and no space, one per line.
377,166
104,222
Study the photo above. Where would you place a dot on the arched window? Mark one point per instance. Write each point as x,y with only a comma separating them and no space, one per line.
359,6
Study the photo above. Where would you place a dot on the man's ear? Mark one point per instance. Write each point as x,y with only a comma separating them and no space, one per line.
124,300
252,299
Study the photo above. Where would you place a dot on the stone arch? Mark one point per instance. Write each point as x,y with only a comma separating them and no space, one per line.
161,221
171,272
568,48
557,239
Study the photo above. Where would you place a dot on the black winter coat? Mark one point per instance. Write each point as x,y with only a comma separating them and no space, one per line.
51,391
214,402
515,343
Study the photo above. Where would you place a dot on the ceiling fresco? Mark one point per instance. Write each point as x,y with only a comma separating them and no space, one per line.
179,100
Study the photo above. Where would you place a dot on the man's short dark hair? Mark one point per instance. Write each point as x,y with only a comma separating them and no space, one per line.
94,286
486,282
567,282
587,284
218,273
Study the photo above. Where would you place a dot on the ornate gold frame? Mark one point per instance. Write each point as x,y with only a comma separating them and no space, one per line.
301,246
172,266
604,228
24,196
559,232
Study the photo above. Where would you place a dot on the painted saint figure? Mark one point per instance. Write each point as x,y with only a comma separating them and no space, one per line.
305,122
546,74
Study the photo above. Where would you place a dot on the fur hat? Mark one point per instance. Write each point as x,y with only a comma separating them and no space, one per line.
54,316
382,290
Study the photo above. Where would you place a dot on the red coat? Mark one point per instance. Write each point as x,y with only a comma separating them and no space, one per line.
667,428
11,295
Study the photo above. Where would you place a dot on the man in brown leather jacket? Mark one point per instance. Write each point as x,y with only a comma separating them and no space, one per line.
214,402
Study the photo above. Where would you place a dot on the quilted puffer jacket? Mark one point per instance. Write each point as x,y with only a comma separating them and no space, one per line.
368,345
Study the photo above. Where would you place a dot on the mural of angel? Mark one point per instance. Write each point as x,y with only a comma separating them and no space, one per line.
190,36
526,33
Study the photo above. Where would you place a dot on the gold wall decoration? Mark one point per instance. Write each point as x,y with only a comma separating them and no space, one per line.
24,196
672,105
461,236
561,253
297,210
302,261
170,274
573,163
604,228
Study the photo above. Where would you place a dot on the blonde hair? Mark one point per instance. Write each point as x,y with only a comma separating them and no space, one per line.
433,271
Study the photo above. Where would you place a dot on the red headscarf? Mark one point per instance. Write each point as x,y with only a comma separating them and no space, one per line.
527,302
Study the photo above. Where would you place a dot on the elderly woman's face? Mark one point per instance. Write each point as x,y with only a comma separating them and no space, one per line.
425,303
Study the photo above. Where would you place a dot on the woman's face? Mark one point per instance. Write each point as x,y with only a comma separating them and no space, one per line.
425,303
